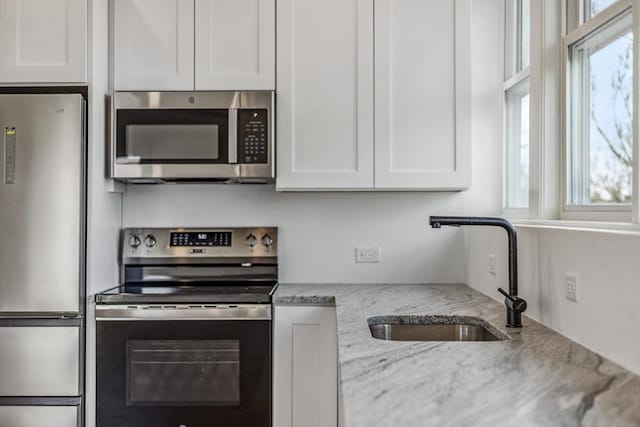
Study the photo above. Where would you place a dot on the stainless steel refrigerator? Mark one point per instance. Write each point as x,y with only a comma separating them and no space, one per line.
42,246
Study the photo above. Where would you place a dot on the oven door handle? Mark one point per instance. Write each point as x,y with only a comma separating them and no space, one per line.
183,312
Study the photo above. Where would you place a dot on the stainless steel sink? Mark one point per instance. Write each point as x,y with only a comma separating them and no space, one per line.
433,328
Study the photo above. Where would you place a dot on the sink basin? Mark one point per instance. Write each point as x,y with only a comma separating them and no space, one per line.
433,328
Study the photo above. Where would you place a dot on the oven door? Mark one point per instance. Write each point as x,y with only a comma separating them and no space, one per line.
184,366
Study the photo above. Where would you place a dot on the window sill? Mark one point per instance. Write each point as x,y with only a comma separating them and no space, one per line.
625,228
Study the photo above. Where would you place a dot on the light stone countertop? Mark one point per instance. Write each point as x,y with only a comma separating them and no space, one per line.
537,378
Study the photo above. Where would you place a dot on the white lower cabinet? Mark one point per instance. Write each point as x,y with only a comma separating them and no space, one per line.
305,367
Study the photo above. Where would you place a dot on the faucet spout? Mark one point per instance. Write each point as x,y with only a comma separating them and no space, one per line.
515,305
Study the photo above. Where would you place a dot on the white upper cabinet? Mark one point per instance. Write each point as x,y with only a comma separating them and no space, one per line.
43,41
235,45
325,94
422,89
153,44
194,44
326,135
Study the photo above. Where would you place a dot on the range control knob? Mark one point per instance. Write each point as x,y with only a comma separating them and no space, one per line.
251,240
134,241
267,241
150,241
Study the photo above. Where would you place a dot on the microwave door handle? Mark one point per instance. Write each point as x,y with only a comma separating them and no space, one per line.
233,136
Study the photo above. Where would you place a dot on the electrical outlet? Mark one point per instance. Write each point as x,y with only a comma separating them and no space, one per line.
368,254
571,287
492,264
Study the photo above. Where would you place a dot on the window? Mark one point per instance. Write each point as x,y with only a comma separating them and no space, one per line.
599,110
516,93
517,147
569,143
593,7
517,36
524,32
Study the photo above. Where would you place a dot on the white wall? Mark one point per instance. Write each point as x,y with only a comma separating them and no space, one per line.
606,315
319,231
104,209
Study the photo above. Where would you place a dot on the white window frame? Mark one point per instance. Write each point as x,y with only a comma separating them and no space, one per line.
577,28
515,76
519,85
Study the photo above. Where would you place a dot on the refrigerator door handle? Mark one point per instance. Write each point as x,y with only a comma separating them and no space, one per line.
9,147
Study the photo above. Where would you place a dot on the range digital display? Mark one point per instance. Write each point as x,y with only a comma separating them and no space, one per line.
200,238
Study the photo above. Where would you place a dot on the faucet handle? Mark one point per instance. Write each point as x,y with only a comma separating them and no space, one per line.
505,293
514,303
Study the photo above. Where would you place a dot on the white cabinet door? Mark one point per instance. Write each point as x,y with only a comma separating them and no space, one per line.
235,44
423,90
43,41
305,367
325,94
153,44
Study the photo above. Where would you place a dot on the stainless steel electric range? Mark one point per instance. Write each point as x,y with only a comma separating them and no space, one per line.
185,340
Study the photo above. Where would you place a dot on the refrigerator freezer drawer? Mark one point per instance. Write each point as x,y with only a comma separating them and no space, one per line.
39,361
39,416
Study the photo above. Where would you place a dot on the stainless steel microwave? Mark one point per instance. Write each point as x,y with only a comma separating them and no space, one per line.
192,136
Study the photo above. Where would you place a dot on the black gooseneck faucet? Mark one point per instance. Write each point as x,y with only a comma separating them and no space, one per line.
515,306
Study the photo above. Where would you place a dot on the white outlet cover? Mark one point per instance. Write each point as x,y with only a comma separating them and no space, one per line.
368,254
571,287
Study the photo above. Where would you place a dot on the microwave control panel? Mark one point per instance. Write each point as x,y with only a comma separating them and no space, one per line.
252,136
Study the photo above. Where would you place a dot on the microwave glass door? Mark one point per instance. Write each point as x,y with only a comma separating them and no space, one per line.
148,136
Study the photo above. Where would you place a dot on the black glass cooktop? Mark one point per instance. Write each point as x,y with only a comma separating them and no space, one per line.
193,294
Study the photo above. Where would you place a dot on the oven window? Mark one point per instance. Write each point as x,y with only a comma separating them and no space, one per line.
172,142
183,372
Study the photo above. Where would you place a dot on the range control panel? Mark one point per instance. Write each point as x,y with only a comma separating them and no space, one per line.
253,136
252,242
200,238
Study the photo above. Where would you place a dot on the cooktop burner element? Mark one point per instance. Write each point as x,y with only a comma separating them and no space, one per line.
204,265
